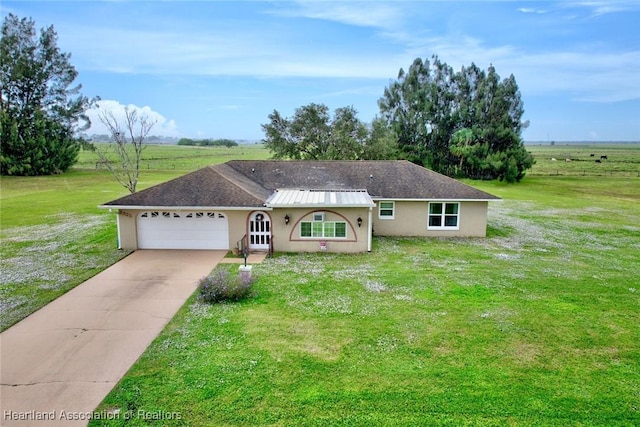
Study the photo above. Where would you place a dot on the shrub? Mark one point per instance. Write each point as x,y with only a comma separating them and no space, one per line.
220,286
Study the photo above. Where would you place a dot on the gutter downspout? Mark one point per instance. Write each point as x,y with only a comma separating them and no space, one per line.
119,231
370,230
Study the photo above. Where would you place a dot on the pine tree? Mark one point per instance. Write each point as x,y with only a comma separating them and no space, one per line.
40,111
461,124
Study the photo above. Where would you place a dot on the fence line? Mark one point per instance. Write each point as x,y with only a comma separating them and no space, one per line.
584,172
547,172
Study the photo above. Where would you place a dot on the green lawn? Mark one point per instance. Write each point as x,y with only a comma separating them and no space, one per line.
537,324
53,235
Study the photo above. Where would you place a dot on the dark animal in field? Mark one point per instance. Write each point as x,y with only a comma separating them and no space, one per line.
598,161
591,155
603,157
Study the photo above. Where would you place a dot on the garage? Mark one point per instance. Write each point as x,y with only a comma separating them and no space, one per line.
182,230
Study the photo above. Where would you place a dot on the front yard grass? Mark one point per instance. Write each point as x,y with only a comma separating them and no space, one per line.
537,324
53,235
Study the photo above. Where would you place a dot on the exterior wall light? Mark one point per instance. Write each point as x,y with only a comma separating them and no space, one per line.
287,218
359,221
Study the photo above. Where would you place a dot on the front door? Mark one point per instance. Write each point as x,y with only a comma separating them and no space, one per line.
259,231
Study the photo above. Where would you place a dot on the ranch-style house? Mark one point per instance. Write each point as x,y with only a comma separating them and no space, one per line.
299,206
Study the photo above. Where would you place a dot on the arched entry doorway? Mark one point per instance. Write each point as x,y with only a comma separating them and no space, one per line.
259,231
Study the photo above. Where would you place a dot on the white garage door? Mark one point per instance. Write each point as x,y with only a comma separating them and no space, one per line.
183,230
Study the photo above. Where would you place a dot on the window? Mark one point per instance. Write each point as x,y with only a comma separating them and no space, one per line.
386,210
323,229
443,215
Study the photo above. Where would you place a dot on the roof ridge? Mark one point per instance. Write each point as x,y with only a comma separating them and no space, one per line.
241,181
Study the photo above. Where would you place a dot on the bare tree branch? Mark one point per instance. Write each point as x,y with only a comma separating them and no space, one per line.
122,156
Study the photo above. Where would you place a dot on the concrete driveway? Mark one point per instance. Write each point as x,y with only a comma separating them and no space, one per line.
60,362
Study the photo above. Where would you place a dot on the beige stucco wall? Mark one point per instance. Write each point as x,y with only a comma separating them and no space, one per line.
127,237
410,219
286,237
237,226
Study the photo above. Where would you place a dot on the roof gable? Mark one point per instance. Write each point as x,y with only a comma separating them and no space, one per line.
211,186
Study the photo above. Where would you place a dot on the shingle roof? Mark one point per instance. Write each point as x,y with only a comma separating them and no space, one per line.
215,185
249,183
394,179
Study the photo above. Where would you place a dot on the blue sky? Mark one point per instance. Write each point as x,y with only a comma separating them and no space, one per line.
216,69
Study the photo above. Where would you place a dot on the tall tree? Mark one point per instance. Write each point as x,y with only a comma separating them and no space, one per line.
348,135
466,123
313,134
123,154
41,112
417,106
382,142
310,132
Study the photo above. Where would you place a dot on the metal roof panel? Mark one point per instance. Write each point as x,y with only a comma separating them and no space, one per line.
319,198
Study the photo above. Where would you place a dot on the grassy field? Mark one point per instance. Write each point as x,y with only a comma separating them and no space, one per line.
54,236
623,160
537,324
183,158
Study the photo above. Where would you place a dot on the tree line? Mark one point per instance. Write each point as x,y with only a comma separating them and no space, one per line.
208,142
464,123
314,134
159,139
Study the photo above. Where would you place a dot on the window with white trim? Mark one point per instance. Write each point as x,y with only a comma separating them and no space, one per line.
323,229
386,210
444,216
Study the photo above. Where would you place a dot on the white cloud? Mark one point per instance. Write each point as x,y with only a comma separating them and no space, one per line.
603,77
361,14
156,51
588,74
163,126
532,10
599,8
250,49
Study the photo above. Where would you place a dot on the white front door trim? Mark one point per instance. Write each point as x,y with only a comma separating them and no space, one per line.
259,231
